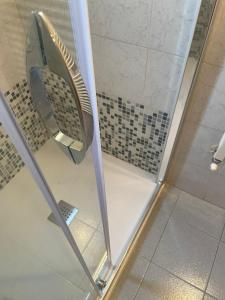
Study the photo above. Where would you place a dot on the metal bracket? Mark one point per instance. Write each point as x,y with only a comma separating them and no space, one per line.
101,284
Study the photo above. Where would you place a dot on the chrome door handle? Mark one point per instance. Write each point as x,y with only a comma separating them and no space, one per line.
45,50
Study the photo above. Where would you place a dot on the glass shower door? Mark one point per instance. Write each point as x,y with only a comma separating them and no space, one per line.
66,163
35,258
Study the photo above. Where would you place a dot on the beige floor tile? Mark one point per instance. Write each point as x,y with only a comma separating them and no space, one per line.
159,284
186,252
200,214
216,286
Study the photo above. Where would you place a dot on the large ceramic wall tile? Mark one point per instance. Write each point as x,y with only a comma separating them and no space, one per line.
216,285
200,214
119,68
163,77
159,284
126,21
215,52
172,23
186,252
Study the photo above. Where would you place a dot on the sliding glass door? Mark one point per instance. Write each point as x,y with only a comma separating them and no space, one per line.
53,242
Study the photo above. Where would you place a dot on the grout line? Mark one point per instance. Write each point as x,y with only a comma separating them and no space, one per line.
174,275
203,199
149,26
151,260
146,69
89,241
143,277
85,223
136,45
220,240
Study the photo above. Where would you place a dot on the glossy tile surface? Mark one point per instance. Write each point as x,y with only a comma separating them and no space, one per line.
208,297
189,177
126,21
155,227
159,284
186,252
200,214
127,288
216,285
183,235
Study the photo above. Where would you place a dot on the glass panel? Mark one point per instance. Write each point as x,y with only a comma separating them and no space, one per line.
74,184
194,55
139,53
35,258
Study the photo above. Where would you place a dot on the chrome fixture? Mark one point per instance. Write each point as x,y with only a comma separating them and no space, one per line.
101,284
219,154
45,52
68,213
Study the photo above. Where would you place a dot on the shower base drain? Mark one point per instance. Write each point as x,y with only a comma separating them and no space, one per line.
68,212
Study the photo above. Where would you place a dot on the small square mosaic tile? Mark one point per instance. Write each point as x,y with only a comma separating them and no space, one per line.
131,133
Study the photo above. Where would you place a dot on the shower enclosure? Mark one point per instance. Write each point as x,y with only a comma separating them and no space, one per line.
88,120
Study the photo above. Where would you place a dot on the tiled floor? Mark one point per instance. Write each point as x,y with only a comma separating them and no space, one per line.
180,255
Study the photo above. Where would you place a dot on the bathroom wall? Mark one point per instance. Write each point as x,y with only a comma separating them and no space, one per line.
204,123
139,50
138,65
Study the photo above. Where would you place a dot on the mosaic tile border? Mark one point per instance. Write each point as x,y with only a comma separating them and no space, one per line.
131,133
128,131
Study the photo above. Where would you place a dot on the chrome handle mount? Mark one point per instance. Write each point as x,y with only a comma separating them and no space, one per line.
45,52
